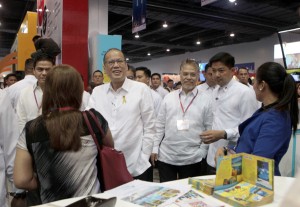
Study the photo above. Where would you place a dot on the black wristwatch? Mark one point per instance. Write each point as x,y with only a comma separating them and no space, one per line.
225,135
18,195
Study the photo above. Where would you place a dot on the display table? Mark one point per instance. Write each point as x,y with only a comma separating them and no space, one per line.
281,185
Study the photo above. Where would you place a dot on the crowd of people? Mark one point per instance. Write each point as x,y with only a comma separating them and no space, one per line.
180,131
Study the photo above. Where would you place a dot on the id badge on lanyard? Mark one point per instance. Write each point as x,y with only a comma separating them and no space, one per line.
184,124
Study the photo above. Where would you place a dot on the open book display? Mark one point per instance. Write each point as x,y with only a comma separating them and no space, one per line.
244,180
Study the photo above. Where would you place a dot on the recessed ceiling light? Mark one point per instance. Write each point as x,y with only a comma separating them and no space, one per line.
198,42
0,5
232,34
149,54
127,59
231,1
137,35
165,25
168,50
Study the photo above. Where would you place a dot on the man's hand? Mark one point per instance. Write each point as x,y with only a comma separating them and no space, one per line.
220,152
211,136
153,158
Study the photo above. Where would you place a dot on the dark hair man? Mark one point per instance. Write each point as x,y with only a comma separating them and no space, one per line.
233,103
15,90
156,84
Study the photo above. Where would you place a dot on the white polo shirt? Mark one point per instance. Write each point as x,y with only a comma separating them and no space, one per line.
162,92
183,147
232,104
14,90
29,105
130,115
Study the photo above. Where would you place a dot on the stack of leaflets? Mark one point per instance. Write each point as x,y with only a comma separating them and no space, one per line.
204,185
244,180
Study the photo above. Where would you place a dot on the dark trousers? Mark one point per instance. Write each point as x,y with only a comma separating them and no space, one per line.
168,172
146,176
211,170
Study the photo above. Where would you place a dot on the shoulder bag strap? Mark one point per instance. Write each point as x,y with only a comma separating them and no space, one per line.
97,123
91,130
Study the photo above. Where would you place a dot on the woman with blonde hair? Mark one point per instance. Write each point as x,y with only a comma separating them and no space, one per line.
56,153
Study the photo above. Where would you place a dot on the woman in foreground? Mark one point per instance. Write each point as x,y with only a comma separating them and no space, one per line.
55,153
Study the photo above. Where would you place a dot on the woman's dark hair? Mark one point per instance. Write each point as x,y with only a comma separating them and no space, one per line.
283,85
62,97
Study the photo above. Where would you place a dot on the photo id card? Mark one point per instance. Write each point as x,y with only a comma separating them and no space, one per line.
183,125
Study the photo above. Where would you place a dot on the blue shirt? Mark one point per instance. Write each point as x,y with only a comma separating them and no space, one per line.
267,133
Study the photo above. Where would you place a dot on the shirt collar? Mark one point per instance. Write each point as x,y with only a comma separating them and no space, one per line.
194,91
229,84
126,85
36,86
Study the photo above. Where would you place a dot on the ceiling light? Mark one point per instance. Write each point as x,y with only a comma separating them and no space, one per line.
137,35
149,54
127,59
198,42
0,23
0,5
168,50
165,25
231,1
232,34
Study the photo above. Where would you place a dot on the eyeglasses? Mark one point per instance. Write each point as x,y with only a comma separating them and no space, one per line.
111,63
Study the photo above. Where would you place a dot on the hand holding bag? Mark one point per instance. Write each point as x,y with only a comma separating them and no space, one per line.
112,165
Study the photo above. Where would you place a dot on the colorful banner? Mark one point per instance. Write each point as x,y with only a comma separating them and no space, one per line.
138,15
249,66
104,43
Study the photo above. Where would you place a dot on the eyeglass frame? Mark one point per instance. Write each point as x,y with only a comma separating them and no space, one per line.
111,63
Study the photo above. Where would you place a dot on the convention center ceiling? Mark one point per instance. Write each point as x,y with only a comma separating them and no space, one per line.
190,26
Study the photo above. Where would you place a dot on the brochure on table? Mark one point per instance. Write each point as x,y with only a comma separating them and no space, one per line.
244,180
162,195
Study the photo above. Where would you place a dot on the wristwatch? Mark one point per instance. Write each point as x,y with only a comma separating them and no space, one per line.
225,135
18,195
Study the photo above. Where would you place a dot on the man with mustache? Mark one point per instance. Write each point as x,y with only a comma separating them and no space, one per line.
183,115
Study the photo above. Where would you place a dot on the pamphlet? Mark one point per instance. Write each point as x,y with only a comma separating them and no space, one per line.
244,180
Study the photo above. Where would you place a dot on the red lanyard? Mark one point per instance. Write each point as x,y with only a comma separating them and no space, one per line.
36,102
184,111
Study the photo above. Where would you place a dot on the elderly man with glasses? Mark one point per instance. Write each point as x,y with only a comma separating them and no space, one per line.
128,107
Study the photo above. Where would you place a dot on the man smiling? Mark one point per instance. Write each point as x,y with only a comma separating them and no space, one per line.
128,108
183,115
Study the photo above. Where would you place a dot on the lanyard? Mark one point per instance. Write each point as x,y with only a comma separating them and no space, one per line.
184,111
36,102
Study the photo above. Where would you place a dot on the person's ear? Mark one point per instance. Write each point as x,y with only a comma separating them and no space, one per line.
262,85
